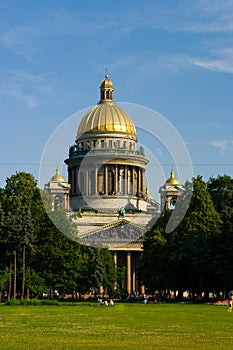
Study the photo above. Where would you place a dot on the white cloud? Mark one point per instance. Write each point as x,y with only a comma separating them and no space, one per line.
21,40
214,65
25,87
223,145
14,91
206,16
221,60
29,100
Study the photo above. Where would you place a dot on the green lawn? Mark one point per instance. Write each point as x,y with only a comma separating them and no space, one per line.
123,326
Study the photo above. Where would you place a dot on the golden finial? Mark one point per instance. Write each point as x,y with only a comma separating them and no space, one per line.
106,75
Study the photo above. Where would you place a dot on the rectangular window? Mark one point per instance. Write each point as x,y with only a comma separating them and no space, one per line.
102,143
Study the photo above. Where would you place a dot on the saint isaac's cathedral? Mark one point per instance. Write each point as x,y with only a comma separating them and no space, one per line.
107,185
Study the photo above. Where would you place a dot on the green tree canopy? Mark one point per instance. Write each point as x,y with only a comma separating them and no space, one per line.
182,260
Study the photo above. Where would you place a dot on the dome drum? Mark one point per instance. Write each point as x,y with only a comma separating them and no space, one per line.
137,156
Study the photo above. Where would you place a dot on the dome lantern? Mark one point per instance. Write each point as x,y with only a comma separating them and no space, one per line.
106,90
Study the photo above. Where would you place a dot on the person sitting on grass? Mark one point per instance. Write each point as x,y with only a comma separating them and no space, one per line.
230,302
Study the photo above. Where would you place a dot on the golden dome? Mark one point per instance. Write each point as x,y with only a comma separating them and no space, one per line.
172,180
106,116
57,177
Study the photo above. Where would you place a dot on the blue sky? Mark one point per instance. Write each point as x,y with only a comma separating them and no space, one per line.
175,57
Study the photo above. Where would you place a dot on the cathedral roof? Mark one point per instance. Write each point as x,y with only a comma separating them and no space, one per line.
106,116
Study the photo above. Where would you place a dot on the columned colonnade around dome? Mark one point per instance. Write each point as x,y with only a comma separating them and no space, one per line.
108,179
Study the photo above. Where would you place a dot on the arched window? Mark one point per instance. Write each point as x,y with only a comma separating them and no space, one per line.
57,202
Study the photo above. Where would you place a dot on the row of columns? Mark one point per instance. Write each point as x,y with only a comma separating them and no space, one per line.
127,180
132,284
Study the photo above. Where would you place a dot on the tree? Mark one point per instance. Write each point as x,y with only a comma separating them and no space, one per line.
26,242
4,279
198,232
34,283
221,191
40,245
182,259
23,186
58,258
154,259
14,230
109,273
17,198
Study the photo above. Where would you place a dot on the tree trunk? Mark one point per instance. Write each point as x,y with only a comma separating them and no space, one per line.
180,294
14,292
23,277
9,290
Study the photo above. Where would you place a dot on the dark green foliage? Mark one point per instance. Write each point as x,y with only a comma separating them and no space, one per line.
184,259
40,250
35,256
221,191
109,273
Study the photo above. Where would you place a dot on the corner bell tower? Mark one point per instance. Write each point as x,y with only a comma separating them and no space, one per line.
170,191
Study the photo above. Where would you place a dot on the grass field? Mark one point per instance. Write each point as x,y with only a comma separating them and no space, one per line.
123,326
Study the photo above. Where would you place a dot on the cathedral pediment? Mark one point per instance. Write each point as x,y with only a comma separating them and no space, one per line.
120,232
